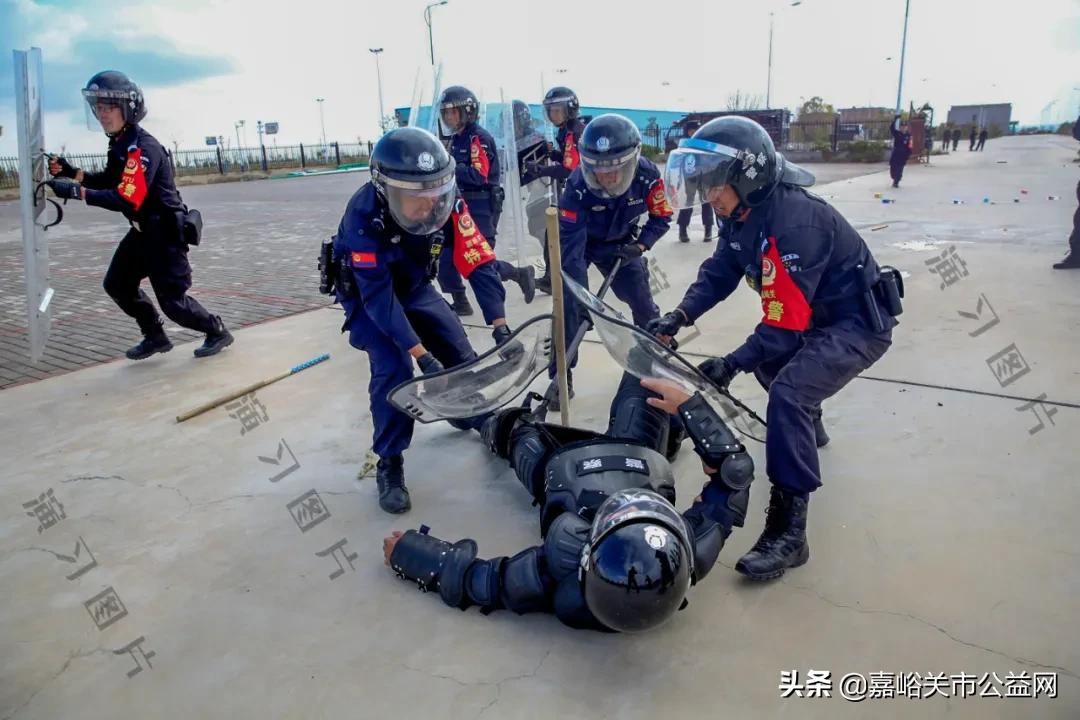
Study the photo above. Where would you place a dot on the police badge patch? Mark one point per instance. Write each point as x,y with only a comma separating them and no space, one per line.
603,144
425,162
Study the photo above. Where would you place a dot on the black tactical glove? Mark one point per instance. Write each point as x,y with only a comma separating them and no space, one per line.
630,251
65,188
62,166
668,324
532,169
719,370
429,365
501,333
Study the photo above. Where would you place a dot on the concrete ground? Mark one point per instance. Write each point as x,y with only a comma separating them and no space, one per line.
192,572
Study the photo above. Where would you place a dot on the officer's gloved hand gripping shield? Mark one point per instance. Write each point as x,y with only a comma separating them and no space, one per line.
643,356
483,385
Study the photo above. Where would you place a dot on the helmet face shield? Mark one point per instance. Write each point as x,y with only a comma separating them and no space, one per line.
690,173
106,108
421,208
610,177
635,505
557,112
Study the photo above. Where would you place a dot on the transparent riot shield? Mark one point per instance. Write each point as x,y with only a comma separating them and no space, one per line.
486,384
32,205
521,223
642,355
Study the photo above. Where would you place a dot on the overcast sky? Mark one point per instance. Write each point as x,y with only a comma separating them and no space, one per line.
204,64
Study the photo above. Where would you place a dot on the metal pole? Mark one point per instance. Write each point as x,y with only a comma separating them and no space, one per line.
903,50
322,120
431,42
768,85
558,311
378,74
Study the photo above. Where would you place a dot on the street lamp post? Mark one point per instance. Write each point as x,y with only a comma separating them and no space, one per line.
768,84
378,74
322,121
239,147
903,50
427,19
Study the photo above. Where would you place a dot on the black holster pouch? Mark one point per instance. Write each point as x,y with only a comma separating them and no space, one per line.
328,269
890,289
189,226
870,305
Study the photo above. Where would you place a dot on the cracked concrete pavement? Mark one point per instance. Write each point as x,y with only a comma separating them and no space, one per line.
943,540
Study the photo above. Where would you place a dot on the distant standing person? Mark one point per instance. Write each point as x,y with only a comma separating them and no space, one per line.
972,138
1072,260
901,150
983,134
955,138
945,137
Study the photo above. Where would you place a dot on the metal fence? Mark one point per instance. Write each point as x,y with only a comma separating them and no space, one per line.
828,136
223,161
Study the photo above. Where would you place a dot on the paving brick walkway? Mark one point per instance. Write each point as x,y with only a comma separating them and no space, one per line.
257,262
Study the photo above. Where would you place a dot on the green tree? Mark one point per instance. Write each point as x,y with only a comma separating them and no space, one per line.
816,105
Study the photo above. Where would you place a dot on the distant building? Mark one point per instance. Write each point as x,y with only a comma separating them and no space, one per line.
865,114
987,116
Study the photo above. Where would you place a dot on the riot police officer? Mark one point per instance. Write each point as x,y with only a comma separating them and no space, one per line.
827,308
138,182
901,149
477,168
562,108
598,217
615,554
395,230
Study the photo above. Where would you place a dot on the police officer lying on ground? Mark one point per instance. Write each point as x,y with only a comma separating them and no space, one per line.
615,555
138,182
387,250
561,106
598,218
473,148
827,309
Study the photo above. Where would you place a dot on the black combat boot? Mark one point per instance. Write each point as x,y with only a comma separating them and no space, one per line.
683,235
461,304
1071,262
525,277
782,544
216,340
154,342
390,476
820,436
543,284
708,235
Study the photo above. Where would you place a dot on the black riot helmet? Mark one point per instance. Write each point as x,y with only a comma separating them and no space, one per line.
733,151
637,566
110,88
414,174
561,98
610,148
464,100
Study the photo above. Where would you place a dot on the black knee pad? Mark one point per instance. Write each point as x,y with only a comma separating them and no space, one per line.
528,456
632,418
